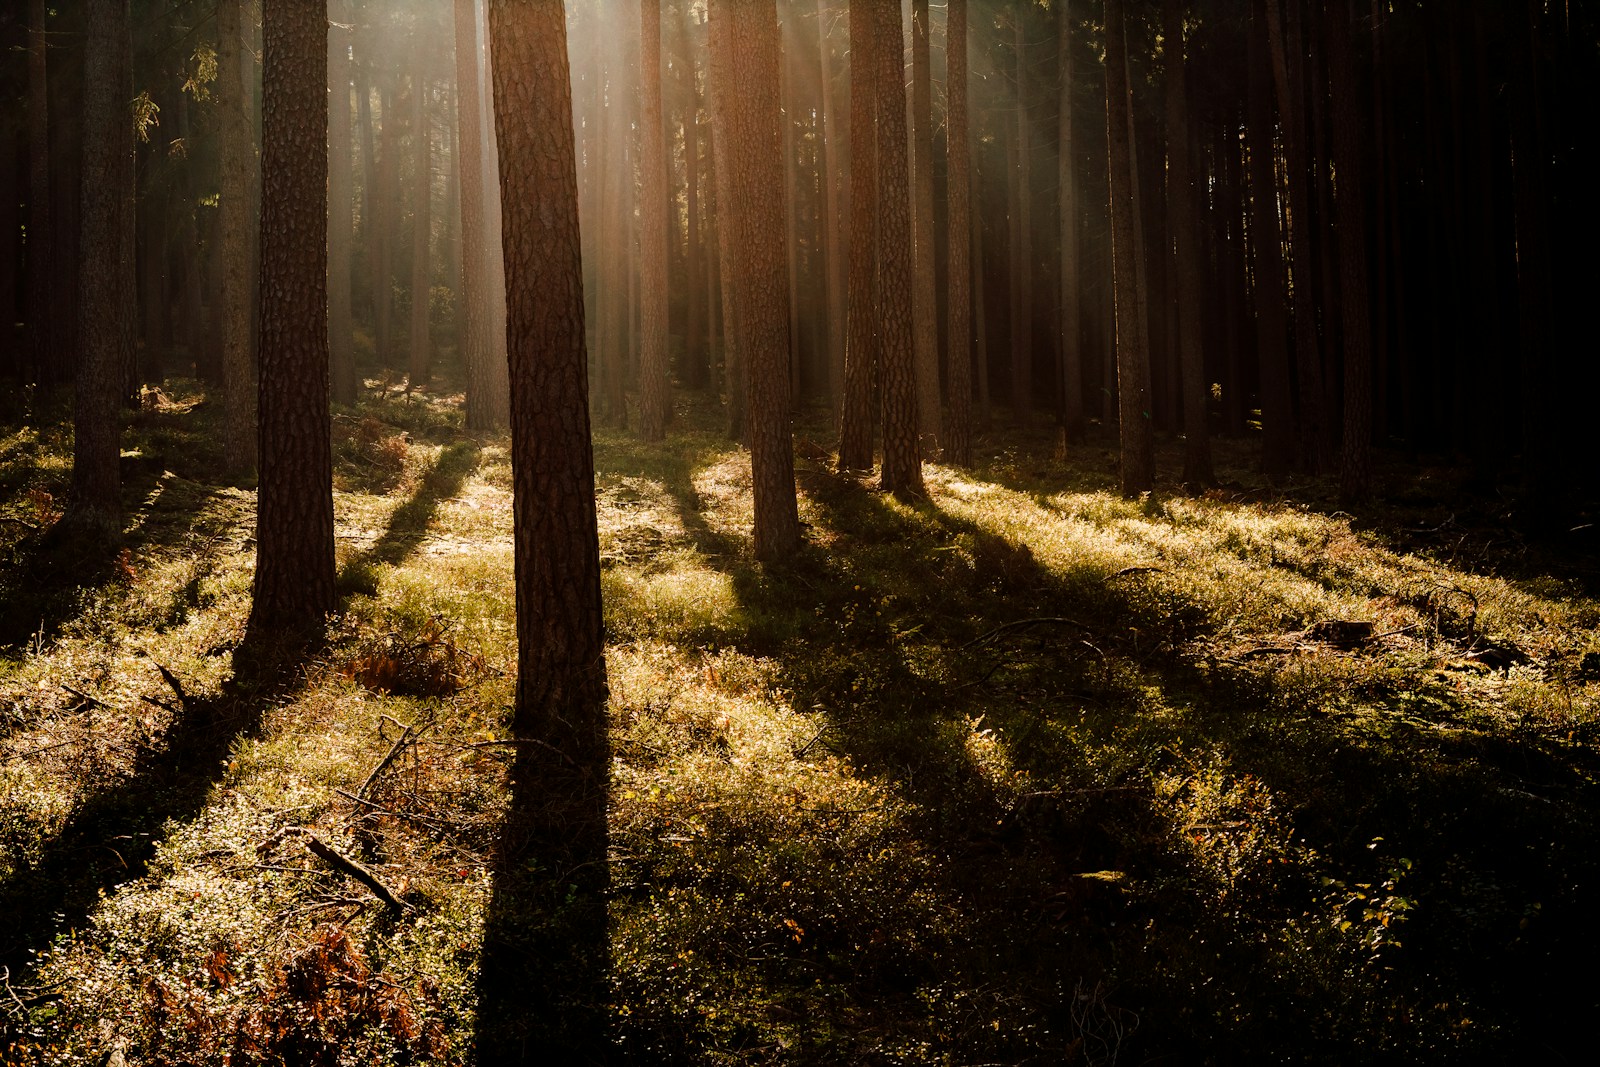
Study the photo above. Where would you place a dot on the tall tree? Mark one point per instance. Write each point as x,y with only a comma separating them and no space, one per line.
1133,352
543,990
833,220
294,581
233,221
1022,254
43,337
1267,258
958,432
902,464
1186,251
860,360
1071,324
341,204
102,272
754,157
925,311
421,231
477,348
729,224
1355,463
654,401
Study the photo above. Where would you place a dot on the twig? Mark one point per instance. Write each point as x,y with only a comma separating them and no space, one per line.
1134,570
1020,624
338,860
86,697
394,750
172,683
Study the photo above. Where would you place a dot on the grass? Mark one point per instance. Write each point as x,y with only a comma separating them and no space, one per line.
1023,773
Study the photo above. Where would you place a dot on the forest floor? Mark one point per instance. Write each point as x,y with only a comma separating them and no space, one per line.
1025,773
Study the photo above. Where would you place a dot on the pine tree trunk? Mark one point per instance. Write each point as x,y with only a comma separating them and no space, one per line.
1276,418
958,435
192,316
1133,355
833,225
694,348
753,149
44,339
729,225
1186,258
1356,465
1071,326
542,985
421,231
476,345
653,396
102,274
1022,322
238,158
924,293
791,210
341,203
294,580
902,466
386,219
855,419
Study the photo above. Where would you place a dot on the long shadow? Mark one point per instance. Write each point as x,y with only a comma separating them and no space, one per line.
1493,922
112,836
408,525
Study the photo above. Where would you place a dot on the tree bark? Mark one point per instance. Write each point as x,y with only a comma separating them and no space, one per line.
1356,462
833,225
729,225
753,152
421,231
1022,254
958,434
1133,354
855,418
1186,253
542,986
1071,296
654,401
386,221
1267,256
477,350
44,339
294,580
102,273
902,466
238,157
341,345
924,298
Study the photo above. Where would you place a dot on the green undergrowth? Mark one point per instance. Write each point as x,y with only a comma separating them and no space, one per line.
1023,772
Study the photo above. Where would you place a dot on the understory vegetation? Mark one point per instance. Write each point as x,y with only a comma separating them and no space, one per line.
1023,773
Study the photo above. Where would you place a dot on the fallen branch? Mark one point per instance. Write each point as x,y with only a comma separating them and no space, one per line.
339,861
172,682
86,698
1020,624
1134,570
394,750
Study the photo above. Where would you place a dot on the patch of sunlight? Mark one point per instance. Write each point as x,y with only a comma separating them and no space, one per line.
687,599
723,489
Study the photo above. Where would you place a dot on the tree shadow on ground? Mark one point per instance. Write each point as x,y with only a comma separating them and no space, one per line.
1222,950
408,525
113,834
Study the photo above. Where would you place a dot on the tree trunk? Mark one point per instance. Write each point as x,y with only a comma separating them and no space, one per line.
924,290
1186,257
44,339
729,224
1022,254
855,418
902,466
542,984
1133,355
386,220
1286,74
421,230
694,347
192,316
341,344
753,149
1071,299
833,225
958,434
294,581
102,274
477,349
1276,418
1356,464
654,402
238,157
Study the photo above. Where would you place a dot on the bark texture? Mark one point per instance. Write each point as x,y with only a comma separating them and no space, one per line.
1133,351
902,464
542,979
958,432
855,415
925,320
341,203
475,342
653,395
233,220
754,158
294,581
